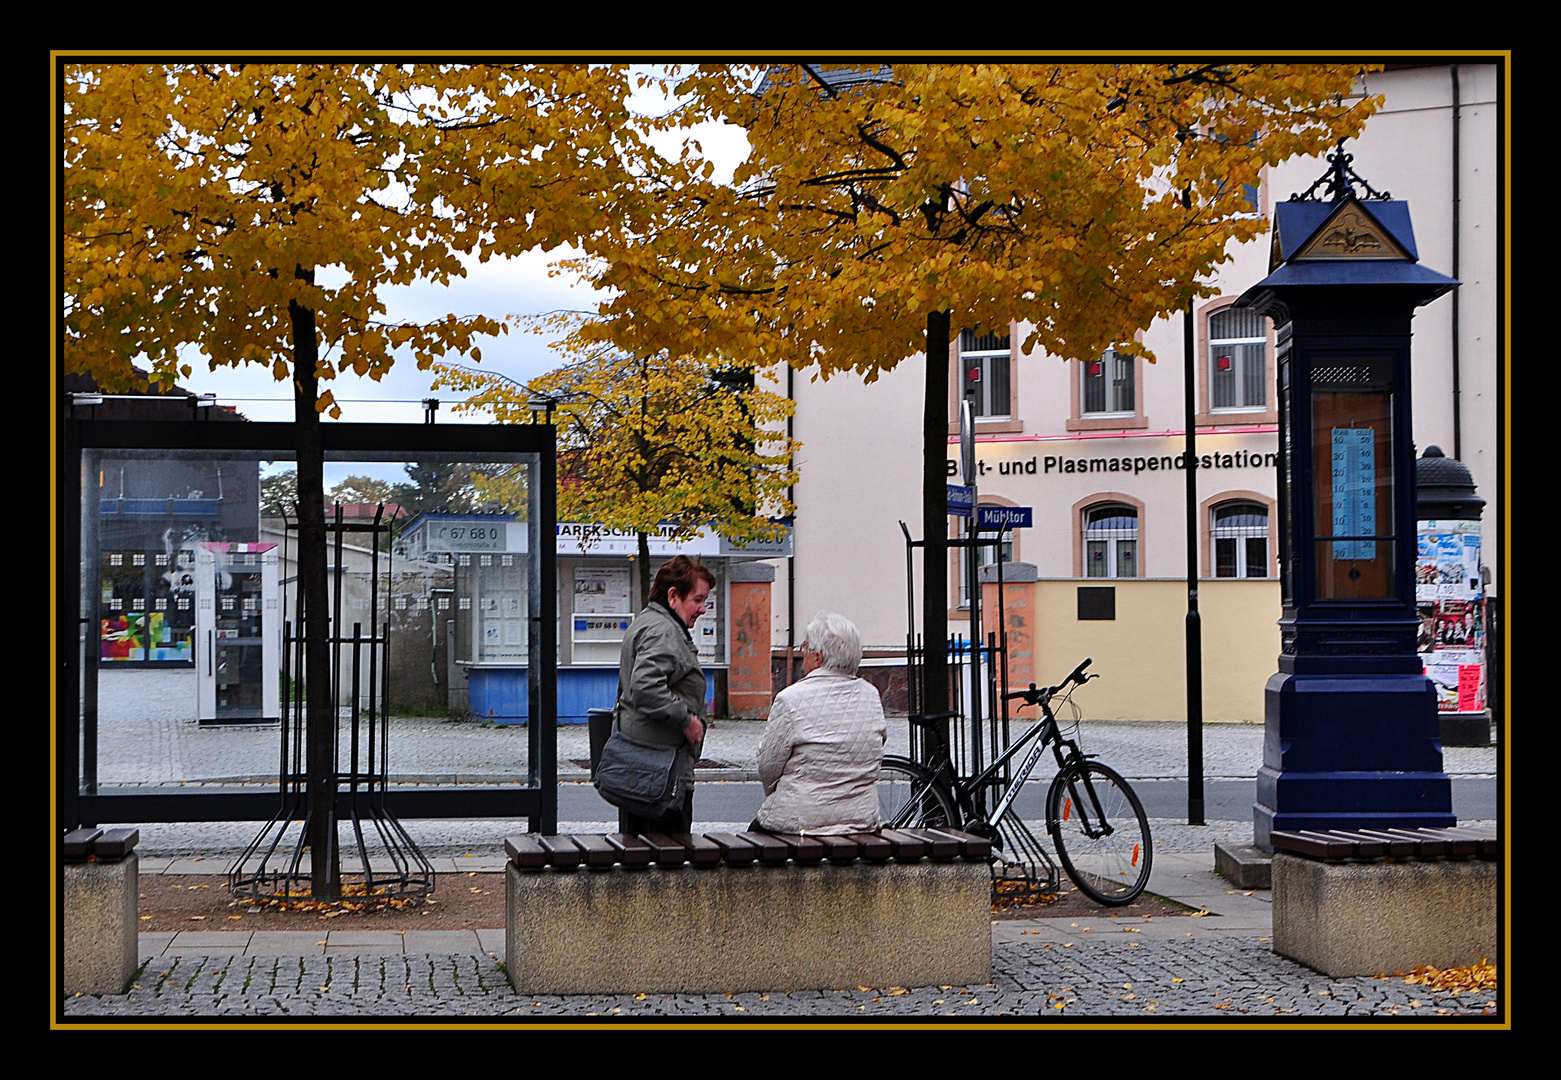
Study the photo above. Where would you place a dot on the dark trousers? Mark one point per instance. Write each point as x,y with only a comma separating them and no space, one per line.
670,823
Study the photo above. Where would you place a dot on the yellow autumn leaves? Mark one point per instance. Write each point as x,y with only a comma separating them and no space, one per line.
651,439
200,200
1046,194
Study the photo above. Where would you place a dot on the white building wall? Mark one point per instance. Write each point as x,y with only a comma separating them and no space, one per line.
860,461
860,466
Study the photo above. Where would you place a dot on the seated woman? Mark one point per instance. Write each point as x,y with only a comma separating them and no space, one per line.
824,742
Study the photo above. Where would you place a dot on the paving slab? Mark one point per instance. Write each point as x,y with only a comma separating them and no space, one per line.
153,942
442,942
216,942
197,865
287,943
364,941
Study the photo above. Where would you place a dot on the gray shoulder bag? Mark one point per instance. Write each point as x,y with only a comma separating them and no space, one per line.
644,779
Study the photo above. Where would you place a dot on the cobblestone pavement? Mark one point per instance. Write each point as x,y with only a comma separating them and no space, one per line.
1054,969
1055,981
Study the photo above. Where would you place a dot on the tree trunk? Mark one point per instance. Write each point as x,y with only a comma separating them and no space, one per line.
320,707
644,569
935,520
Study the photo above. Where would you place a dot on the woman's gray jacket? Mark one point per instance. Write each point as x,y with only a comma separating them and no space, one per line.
660,682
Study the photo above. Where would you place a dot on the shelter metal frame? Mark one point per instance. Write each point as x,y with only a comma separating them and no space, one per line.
74,729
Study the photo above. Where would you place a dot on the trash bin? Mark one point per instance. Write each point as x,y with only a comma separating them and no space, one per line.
599,722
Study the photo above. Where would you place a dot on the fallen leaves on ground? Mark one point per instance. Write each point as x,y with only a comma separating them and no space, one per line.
355,899
1481,976
1011,893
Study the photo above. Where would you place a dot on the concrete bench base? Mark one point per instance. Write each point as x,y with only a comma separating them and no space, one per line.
1377,918
101,951
727,929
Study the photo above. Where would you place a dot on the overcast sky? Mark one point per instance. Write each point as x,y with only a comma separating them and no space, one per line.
499,288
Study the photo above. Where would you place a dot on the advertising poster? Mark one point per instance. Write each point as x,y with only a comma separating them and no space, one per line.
1470,689
602,590
127,636
1450,599
1454,624
122,637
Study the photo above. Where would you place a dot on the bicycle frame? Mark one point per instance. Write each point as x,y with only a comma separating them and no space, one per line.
964,790
1076,816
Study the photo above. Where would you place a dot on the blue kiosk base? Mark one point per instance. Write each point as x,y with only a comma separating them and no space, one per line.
1351,752
500,694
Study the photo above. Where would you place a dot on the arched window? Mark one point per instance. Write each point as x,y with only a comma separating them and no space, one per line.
1111,541
1240,534
1238,375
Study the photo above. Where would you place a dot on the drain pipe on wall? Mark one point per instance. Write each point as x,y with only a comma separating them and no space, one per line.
791,560
1457,245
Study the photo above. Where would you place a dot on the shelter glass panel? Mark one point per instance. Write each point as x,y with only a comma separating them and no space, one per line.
189,654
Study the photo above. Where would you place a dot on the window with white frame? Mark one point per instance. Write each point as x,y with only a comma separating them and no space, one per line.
1108,385
986,555
1239,531
984,362
1238,347
1111,541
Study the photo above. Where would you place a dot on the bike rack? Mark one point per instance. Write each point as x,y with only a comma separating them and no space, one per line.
1023,857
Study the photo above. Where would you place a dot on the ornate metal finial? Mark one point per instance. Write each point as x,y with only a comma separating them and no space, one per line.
1340,180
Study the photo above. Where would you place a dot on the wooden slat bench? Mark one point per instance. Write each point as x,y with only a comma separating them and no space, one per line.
730,912
1335,845
1376,901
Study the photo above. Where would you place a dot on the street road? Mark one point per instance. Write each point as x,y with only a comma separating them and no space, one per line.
1474,799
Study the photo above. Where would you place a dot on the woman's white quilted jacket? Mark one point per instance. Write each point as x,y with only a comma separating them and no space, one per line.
820,756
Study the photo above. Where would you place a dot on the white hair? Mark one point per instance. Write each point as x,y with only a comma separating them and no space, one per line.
836,639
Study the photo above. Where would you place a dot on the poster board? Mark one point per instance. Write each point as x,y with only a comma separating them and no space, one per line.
1450,599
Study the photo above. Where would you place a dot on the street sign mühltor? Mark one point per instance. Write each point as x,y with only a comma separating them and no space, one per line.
1004,517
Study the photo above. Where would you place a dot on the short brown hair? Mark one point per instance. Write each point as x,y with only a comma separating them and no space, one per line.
679,573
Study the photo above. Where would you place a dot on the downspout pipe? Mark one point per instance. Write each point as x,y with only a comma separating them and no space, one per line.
791,560
1457,246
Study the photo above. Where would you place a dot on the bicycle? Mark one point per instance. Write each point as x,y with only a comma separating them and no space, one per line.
1093,816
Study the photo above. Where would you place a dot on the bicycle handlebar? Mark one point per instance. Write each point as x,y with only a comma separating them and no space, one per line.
1035,696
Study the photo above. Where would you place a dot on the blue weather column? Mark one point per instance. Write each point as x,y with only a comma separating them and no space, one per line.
1352,738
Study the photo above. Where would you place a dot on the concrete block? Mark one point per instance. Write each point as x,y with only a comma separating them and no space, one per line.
733,929
1377,918
1245,866
1465,728
101,946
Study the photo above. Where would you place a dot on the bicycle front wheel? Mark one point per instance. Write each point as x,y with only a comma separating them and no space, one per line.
1101,833
910,798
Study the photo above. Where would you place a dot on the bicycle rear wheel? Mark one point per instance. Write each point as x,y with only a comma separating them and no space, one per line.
1101,832
910,798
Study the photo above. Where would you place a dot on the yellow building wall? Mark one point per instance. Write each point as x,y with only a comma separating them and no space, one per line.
1141,655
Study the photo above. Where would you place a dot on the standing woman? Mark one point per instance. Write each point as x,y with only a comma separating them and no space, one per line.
661,687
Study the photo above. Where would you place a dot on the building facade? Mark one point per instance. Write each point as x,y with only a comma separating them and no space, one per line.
1095,447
